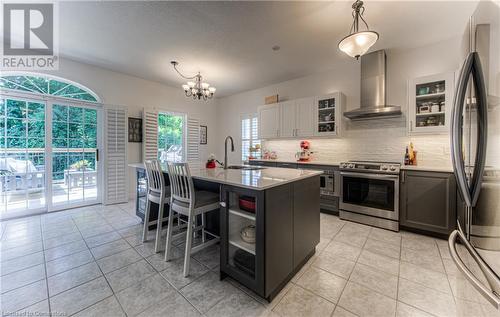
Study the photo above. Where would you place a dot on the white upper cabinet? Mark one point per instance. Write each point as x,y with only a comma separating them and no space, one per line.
269,121
430,103
288,116
305,117
328,114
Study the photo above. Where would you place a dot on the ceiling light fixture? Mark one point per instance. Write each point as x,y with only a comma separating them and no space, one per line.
358,42
197,88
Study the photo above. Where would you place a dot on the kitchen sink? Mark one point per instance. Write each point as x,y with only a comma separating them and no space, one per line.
244,167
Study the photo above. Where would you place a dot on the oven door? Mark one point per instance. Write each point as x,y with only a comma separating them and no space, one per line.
370,194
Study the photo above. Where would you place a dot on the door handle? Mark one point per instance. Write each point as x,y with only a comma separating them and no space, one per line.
97,155
472,66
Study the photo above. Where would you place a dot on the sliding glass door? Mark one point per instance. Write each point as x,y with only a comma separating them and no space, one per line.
40,138
74,155
22,157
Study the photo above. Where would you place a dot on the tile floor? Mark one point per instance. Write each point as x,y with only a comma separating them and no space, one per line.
91,262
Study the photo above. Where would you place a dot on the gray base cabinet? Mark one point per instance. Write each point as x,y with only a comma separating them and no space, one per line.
286,220
428,202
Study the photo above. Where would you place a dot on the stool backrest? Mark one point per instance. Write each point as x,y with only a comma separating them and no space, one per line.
181,183
154,175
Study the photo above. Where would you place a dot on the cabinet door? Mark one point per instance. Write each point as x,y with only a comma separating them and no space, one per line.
287,119
428,201
305,114
269,121
326,110
430,103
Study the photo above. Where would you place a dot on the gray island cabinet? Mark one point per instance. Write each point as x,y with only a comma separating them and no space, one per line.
282,207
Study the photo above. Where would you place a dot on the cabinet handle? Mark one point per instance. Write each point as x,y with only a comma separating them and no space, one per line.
296,132
403,177
223,204
411,125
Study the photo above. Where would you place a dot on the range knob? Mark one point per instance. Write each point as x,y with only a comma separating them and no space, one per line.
343,165
351,165
384,167
393,168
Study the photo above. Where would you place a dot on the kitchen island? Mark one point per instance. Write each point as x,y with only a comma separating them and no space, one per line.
281,204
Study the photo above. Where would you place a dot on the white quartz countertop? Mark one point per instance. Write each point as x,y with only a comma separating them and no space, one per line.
253,179
444,169
311,162
428,168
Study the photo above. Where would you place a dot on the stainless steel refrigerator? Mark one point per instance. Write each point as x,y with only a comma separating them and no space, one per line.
475,149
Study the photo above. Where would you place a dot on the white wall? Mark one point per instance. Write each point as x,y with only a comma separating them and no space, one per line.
375,139
136,93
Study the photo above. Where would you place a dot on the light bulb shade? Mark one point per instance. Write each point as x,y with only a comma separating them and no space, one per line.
191,84
357,44
185,87
211,89
205,85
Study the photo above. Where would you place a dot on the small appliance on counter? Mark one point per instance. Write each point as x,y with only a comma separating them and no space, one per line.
211,161
305,154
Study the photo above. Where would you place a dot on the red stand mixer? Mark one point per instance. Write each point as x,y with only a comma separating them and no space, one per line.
305,153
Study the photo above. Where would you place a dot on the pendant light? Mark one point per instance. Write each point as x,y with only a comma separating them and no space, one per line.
198,89
358,42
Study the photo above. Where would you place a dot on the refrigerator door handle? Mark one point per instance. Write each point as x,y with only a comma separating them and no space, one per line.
472,66
491,296
456,130
482,127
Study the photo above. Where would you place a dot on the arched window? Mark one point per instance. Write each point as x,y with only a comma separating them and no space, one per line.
47,85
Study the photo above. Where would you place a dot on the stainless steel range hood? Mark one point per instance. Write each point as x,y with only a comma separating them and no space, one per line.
373,101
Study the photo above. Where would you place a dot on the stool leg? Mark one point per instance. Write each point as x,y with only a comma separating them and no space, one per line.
189,241
203,221
146,221
159,224
169,233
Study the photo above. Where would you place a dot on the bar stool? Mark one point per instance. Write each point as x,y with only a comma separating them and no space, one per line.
184,200
159,193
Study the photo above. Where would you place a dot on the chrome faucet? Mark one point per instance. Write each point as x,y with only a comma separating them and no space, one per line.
225,149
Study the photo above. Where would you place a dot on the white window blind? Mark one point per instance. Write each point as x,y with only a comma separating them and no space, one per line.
115,163
193,140
149,134
249,136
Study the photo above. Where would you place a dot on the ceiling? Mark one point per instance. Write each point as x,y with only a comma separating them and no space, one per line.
231,42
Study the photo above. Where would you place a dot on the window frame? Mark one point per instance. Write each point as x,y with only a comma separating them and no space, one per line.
252,141
45,96
184,130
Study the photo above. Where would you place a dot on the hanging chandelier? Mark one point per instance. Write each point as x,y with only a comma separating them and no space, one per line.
197,88
358,42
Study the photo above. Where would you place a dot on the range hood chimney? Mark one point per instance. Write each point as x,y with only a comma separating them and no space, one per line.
373,100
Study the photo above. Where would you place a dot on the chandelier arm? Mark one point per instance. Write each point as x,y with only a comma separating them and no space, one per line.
185,77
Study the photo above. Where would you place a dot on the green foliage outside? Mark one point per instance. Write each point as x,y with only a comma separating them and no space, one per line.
74,139
170,130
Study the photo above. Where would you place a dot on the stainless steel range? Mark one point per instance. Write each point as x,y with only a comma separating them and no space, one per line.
369,193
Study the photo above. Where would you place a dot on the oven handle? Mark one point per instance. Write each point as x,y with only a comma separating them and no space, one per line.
371,176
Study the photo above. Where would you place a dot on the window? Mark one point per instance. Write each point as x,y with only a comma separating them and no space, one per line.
171,137
250,143
45,85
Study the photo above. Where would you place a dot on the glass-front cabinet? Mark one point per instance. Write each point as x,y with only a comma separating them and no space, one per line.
242,239
328,114
430,103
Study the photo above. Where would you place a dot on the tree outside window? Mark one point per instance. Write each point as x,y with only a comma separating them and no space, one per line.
171,137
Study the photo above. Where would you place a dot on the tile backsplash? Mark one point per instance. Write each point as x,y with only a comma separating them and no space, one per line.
365,142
